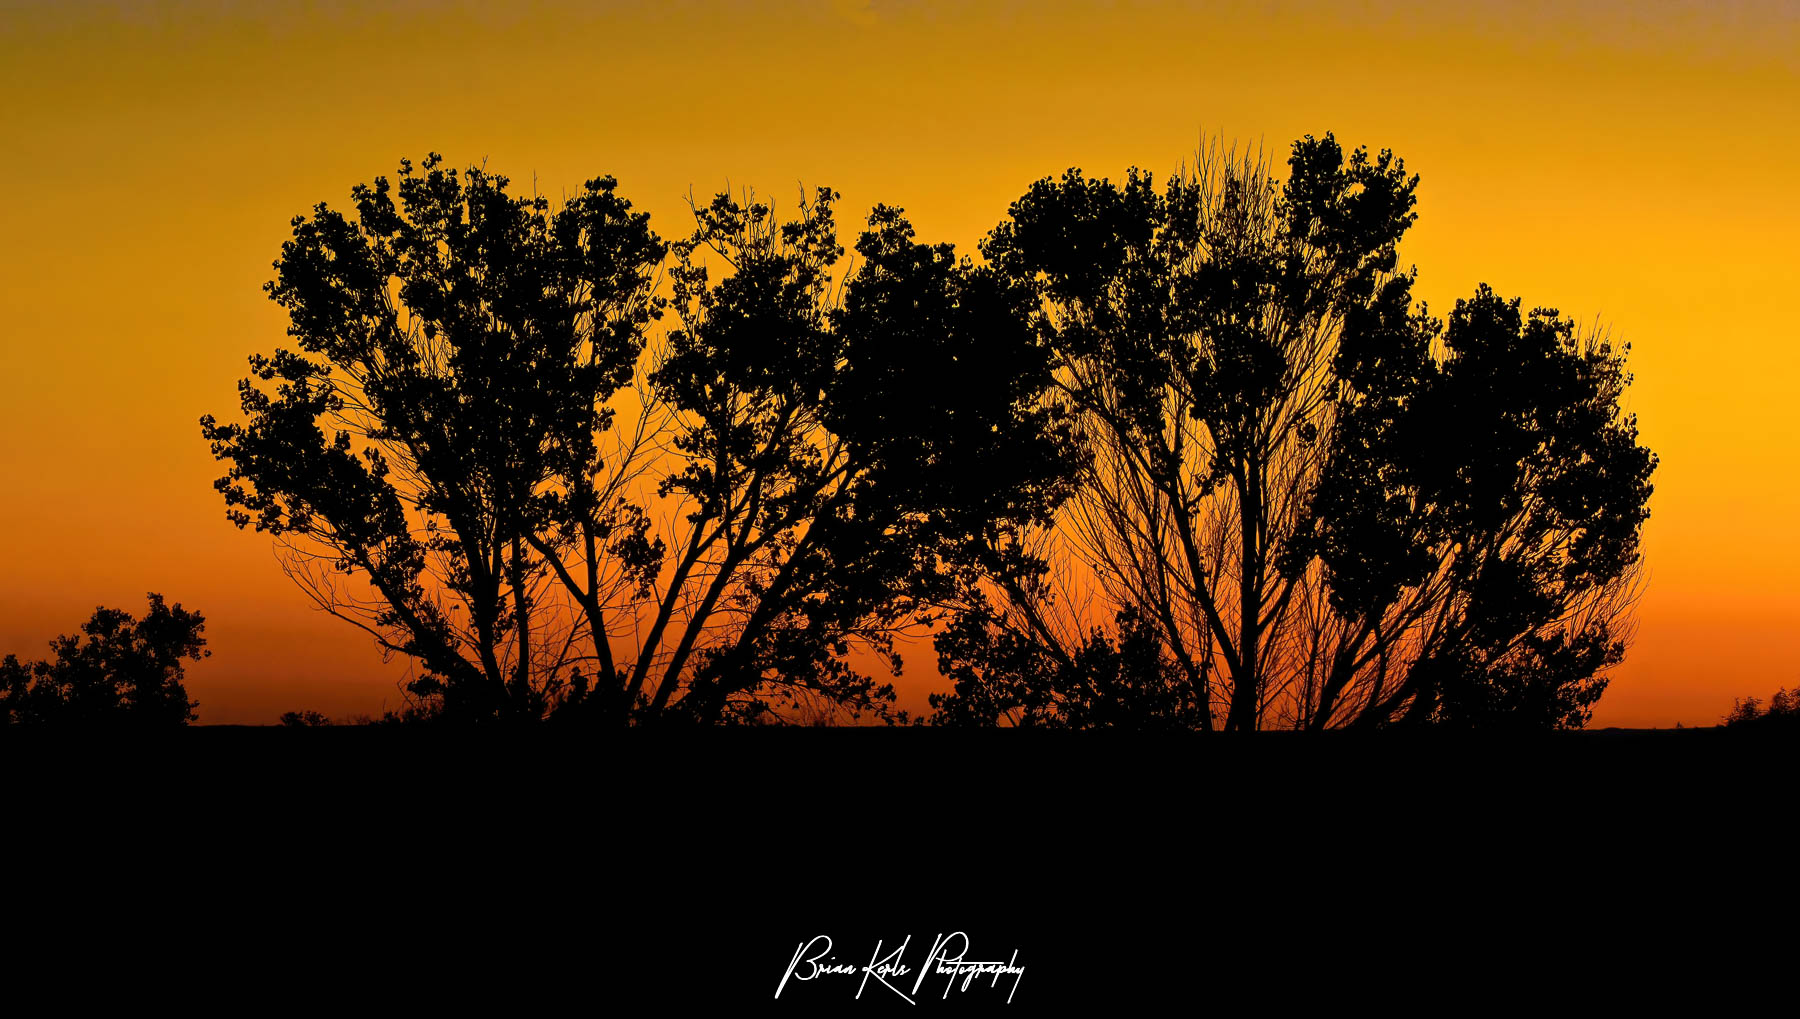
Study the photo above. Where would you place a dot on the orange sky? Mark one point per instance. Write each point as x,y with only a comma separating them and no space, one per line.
1631,163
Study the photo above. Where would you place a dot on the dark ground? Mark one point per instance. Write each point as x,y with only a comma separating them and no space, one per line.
509,873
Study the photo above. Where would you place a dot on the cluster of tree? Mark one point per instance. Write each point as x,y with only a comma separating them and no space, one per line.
1308,502
118,670
1190,457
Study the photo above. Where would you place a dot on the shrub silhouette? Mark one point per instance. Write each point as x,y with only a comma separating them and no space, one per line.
1782,712
303,719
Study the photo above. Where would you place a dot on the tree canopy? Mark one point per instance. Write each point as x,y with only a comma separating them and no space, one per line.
118,670
1189,456
808,459
437,432
1324,506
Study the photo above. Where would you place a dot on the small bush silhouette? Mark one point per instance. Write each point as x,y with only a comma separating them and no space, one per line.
303,719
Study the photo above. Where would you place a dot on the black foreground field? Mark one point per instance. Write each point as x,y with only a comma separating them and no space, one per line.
532,870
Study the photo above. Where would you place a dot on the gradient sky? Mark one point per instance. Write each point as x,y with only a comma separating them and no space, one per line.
1633,164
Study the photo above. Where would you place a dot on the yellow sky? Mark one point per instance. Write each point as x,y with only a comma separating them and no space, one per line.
1633,164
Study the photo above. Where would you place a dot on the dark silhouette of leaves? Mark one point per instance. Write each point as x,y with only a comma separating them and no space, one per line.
811,462
1782,712
1326,506
118,670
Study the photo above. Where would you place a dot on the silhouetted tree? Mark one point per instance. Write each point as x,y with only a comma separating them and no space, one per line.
118,670
842,461
1782,712
438,431
303,719
1322,506
830,458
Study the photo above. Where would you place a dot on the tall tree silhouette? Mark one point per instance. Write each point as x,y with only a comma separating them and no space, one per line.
846,458
439,431
119,670
804,467
1326,507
